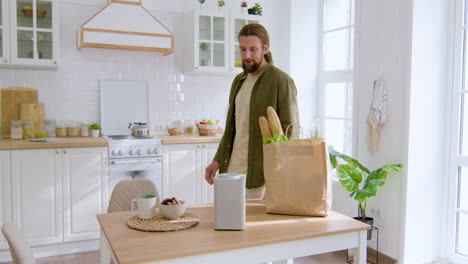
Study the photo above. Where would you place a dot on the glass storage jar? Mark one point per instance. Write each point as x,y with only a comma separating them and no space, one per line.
41,131
73,129
28,129
16,130
50,127
61,129
84,132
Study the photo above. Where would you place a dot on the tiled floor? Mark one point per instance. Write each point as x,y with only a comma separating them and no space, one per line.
92,257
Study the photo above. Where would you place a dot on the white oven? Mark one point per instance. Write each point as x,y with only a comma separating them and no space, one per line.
134,158
124,102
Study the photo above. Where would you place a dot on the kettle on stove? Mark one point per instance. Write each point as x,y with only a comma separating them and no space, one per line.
139,129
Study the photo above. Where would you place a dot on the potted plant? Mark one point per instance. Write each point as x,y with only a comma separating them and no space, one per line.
255,10
94,128
203,46
202,3
360,181
243,5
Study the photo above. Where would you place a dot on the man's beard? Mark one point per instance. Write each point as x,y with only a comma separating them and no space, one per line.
251,68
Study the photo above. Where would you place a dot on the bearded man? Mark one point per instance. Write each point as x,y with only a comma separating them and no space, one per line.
252,91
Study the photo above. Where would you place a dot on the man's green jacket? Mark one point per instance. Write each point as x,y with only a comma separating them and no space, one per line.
273,88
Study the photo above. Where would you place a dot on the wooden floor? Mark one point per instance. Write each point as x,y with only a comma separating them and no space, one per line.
92,257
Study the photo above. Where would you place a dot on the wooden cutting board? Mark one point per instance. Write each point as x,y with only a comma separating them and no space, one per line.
11,99
32,112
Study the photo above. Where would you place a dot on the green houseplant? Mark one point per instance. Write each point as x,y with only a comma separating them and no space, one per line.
359,180
255,10
94,128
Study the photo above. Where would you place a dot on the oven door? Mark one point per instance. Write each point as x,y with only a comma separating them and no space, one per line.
134,164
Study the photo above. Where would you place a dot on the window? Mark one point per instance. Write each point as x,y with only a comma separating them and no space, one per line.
458,207
336,73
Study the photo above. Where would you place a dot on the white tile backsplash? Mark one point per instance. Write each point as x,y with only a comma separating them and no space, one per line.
71,92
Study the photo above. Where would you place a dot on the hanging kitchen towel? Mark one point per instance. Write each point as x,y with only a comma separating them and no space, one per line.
297,177
377,115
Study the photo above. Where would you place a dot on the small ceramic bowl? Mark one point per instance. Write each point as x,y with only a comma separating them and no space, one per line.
172,211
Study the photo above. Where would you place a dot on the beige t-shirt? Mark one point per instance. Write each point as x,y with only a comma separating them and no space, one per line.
240,152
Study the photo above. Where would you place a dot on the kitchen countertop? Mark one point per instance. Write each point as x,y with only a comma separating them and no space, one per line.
80,142
189,139
70,142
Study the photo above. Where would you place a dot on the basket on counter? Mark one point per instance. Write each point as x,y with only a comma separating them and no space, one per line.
175,131
207,130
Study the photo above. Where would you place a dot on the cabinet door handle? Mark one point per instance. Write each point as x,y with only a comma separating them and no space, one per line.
64,152
57,152
204,145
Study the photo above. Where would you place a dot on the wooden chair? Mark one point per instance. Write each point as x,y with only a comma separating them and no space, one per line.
20,251
127,190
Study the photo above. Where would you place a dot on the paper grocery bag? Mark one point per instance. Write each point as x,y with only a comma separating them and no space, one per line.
297,177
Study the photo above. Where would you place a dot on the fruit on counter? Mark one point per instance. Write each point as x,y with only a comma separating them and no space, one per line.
41,134
170,201
29,132
207,122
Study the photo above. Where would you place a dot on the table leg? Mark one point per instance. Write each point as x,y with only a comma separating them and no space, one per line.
104,250
360,253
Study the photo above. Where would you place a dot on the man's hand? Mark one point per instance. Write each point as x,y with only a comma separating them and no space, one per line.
210,172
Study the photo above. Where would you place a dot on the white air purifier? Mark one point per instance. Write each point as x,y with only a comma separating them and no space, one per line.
229,201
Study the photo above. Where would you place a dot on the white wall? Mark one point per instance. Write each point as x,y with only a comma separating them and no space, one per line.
304,56
72,93
406,47
383,50
428,141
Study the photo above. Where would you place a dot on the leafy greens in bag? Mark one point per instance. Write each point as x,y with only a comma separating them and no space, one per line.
275,138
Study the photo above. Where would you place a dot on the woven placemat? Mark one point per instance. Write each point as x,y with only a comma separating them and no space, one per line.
160,224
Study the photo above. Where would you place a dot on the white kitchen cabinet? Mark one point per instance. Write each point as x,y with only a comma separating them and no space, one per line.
37,195
184,172
56,193
4,32
237,21
214,47
5,193
84,172
209,50
29,37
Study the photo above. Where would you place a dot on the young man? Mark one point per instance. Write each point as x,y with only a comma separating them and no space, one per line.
259,86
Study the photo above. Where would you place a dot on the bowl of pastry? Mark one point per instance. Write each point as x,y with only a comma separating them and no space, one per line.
172,208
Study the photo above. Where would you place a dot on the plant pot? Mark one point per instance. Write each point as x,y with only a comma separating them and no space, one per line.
369,221
250,11
94,133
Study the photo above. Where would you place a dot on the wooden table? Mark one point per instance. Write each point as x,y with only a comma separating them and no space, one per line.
266,238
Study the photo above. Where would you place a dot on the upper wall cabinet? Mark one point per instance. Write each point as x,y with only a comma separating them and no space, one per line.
29,32
236,24
4,32
213,45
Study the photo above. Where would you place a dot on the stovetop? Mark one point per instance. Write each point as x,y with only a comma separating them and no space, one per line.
120,137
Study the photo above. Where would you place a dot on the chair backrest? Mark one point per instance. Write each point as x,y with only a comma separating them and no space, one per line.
20,251
127,190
